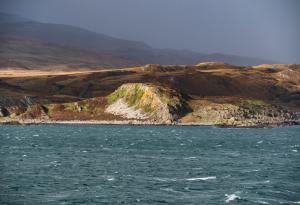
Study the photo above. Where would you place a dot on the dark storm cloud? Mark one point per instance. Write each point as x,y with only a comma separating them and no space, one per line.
260,28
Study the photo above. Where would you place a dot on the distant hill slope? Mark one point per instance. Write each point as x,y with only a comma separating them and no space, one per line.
139,52
10,18
69,36
23,53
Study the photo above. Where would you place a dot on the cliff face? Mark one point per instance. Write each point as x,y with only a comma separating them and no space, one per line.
17,108
146,102
14,105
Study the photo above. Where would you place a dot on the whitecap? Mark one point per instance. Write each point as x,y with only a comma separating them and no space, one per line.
164,179
232,197
259,142
202,178
169,190
294,150
190,158
161,179
55,163
110,179
256,182
36,135
197,168
261,202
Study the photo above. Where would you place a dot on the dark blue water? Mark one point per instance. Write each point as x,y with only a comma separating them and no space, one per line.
148,165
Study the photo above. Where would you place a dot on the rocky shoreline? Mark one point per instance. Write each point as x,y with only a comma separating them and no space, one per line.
137,123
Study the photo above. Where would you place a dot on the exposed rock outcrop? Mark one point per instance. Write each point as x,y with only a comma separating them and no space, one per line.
245,113
147,102
3,112
14,105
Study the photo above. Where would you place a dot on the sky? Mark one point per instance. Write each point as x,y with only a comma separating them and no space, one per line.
268,29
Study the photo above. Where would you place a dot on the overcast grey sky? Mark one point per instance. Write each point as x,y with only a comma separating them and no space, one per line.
257,28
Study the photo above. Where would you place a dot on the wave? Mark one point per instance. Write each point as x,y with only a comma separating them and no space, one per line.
232,197
202,178
190,158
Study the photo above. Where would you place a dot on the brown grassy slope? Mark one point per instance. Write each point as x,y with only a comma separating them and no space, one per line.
19,53
215,81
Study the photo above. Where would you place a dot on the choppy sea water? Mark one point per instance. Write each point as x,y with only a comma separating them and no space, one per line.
55,164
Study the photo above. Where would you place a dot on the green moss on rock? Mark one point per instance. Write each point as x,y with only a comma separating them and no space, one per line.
159,103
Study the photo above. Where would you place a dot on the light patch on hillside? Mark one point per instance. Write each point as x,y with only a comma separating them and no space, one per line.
120,107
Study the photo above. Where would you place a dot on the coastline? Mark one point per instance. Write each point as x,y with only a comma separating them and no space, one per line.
137,123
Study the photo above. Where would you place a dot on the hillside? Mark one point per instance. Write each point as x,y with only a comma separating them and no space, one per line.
20,53
10,18
208,93
85,40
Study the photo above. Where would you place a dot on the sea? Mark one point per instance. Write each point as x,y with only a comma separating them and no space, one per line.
118,164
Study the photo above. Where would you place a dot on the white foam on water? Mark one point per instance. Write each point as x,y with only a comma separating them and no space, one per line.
261,202
169,190
259,142
55,164
161,179
36,135
197,168
294,150
232,197
190,158
256,182
110,179
202,178
296,202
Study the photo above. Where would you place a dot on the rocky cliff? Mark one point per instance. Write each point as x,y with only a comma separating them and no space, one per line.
147,102
17,108
12,106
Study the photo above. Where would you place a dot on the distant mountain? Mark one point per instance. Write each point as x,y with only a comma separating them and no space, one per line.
141,53
10,18
34,54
